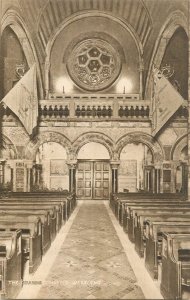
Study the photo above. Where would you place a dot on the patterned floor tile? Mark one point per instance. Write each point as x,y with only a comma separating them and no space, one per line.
91,263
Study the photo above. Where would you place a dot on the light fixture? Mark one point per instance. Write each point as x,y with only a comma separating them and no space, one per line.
63,85
124,86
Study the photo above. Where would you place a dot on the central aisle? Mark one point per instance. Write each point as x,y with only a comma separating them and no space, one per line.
91,263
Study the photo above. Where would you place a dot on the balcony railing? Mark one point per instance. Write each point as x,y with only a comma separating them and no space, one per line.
94,107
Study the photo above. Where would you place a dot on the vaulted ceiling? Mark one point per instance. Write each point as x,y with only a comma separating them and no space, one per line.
144,18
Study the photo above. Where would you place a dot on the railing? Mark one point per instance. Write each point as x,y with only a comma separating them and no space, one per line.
86,106
95,107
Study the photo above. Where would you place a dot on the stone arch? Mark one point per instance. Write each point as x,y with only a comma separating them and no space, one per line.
8,145
96,137
175,20
12,19
43,137
144,138
178,147
78,16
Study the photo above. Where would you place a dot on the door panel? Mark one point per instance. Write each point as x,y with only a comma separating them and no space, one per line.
84,179
93,180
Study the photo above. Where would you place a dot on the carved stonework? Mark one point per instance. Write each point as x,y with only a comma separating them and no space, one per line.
94,64
178,147
140,137
8,149
94,137
17,135
47,137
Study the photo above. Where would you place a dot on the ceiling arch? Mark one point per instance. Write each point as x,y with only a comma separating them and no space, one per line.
12,19
132,12
174,21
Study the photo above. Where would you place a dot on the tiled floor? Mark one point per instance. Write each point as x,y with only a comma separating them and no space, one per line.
91,263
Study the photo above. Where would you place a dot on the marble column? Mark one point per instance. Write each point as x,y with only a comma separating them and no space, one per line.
141,79
72,175
114,168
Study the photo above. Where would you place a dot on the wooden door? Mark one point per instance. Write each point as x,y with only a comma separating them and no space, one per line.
85,180
92,180
101,180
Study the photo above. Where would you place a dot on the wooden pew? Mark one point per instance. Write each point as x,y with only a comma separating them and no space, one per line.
31,227
175,265
122,197
48,220
65,196
122,204
148,204
38,201
55,211
153,235
10,264
134,212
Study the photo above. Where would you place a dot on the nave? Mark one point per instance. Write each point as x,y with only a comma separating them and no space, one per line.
91,258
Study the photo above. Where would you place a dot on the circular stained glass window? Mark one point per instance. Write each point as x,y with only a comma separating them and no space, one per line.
94,64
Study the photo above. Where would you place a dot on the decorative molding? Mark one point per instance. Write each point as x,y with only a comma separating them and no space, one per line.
175,20
178,147
140,137
44,137
96,137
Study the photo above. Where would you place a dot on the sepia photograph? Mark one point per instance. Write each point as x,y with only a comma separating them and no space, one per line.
95,149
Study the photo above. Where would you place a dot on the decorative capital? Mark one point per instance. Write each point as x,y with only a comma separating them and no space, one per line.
114,164
72,164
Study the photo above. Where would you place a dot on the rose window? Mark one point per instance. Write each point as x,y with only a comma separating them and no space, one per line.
94,64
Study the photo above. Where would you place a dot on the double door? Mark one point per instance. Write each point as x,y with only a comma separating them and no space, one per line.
93,179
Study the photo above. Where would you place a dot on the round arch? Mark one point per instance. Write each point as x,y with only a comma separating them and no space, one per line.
12,19
140,137
95,137
178,147
78,16
93,150
175,20
49,136
8,145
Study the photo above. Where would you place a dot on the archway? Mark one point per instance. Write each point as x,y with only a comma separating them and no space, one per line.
136,170
93,171
11,19
8,152
179,155
153,162
175,21
51,170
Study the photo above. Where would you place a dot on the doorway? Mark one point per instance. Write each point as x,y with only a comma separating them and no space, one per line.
93,179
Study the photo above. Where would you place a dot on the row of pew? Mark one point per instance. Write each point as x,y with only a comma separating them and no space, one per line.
159,226
29,223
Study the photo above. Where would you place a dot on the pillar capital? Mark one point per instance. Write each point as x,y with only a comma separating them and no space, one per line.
114,164
72,164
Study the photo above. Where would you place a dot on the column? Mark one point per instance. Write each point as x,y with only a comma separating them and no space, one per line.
148,180
153,180
141,79
114,167
29,166
47,67
72,175
157,180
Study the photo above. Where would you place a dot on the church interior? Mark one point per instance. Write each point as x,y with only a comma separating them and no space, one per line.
94,149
